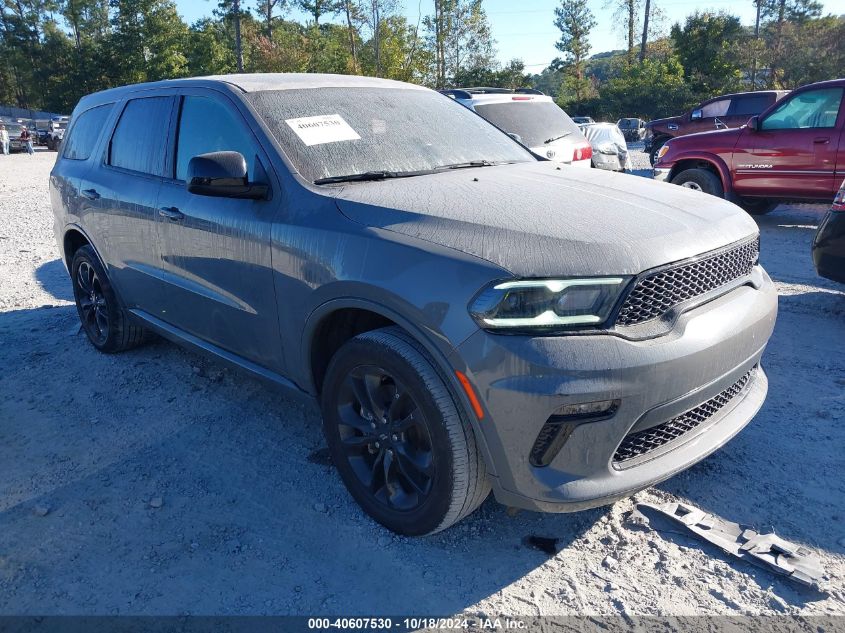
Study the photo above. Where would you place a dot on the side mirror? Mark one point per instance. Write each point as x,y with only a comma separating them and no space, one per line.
753,123
515,137
696,115
222,175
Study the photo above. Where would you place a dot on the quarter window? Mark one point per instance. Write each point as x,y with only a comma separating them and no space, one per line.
85,132
139,142
205,125
810,109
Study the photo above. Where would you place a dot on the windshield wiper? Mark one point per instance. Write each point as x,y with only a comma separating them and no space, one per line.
556,138
367,175
469,164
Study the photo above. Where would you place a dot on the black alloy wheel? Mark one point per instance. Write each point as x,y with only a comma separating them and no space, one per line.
93,305
383,433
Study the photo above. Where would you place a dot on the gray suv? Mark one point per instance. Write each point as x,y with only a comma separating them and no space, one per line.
469,317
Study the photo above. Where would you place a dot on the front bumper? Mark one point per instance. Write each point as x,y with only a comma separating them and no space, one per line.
523,381
661,173
829,247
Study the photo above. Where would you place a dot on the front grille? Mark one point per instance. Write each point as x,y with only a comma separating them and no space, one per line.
657,293
647,440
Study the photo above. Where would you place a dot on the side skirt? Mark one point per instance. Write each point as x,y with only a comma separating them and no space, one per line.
180,337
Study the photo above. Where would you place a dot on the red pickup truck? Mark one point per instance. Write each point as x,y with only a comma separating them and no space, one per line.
795,150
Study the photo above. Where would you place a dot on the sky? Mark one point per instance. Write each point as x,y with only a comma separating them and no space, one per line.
524,29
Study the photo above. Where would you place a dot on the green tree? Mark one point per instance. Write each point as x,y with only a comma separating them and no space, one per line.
575,21
709,46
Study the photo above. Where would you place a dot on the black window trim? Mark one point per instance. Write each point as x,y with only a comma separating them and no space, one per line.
168,157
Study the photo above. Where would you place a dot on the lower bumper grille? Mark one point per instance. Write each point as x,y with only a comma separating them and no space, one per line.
642,442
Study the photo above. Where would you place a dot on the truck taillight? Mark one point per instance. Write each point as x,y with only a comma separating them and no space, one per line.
583,151
839,200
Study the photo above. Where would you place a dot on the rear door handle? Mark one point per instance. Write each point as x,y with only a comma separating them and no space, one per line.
171,213
91,194
822,140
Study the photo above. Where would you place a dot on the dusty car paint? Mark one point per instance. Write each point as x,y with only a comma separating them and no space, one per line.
254,282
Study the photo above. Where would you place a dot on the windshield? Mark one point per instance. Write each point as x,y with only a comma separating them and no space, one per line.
535,121
334,132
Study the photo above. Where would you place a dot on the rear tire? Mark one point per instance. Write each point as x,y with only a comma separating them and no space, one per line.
700,180
400,442
104,319
757,206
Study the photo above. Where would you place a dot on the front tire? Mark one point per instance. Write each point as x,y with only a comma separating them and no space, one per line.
403,448
757,206
103,318
700,180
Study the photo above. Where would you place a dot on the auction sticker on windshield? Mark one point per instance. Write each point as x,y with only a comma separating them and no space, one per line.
326,128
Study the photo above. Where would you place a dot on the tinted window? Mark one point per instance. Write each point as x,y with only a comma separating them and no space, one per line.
140,139
341,131
85,132
717,108
751,104
205,125
810,109
535,121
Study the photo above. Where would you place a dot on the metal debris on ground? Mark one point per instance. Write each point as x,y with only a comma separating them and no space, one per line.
764,550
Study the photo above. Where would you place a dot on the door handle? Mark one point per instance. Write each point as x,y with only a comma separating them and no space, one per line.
171,213
822,140
91,194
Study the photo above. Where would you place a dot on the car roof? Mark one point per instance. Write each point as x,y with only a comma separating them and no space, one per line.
251,82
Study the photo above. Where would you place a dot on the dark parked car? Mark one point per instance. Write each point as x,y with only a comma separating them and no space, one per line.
829,243
632,129
467,315
795,150
718,113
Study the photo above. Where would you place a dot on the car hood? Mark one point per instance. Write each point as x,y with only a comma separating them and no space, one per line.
701,140
539,219
662,123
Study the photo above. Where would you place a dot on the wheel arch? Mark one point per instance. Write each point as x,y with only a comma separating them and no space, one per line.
73,239
316,351
709,162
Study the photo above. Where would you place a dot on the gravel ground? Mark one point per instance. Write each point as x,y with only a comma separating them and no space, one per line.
156,482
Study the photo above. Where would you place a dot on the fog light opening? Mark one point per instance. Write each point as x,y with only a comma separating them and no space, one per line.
561,424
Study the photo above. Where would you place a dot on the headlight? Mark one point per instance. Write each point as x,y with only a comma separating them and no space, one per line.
662,151
547,303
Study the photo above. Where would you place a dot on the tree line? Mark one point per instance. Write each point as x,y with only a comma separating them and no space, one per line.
710,53
52,52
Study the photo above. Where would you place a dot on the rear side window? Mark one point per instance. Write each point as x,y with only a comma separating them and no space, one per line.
139,142
85,132
751,104
205,125
716,108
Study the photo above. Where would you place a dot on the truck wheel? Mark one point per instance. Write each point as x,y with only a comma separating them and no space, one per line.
757,206
700,180
103,317
399,440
